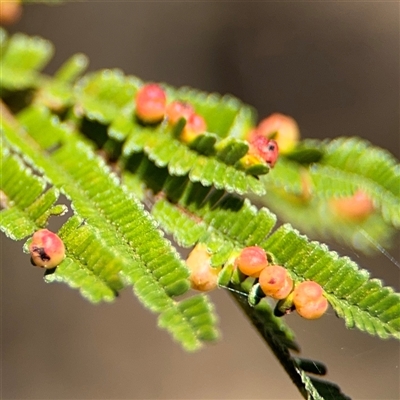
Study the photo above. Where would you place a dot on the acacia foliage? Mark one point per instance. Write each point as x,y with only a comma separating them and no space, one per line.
54,143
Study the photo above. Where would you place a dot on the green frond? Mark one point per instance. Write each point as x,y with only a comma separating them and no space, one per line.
22,58
363,302
347,183
369,168
358,156
301,193
316,218
226,223
222,222
116,242
163,150
192,190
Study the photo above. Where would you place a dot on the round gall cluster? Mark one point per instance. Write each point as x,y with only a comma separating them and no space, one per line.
152,107
276,134
47,249
274,280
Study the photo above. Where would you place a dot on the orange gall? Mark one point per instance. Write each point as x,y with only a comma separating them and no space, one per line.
177,110
195,126
251,261
151,103
276,282
10,11
309,301
356,207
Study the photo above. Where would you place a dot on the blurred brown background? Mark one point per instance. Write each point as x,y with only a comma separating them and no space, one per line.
332,66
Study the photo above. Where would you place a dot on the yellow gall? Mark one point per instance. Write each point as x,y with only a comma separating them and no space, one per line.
203,276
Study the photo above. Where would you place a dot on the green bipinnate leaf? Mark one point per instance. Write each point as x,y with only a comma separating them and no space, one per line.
165,151
193,192
377,172
227,223
302,194
114,242
363,302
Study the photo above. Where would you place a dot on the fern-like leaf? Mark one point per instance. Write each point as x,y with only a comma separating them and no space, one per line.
165,151
222,223
110,218
301,193
363,302
316,218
